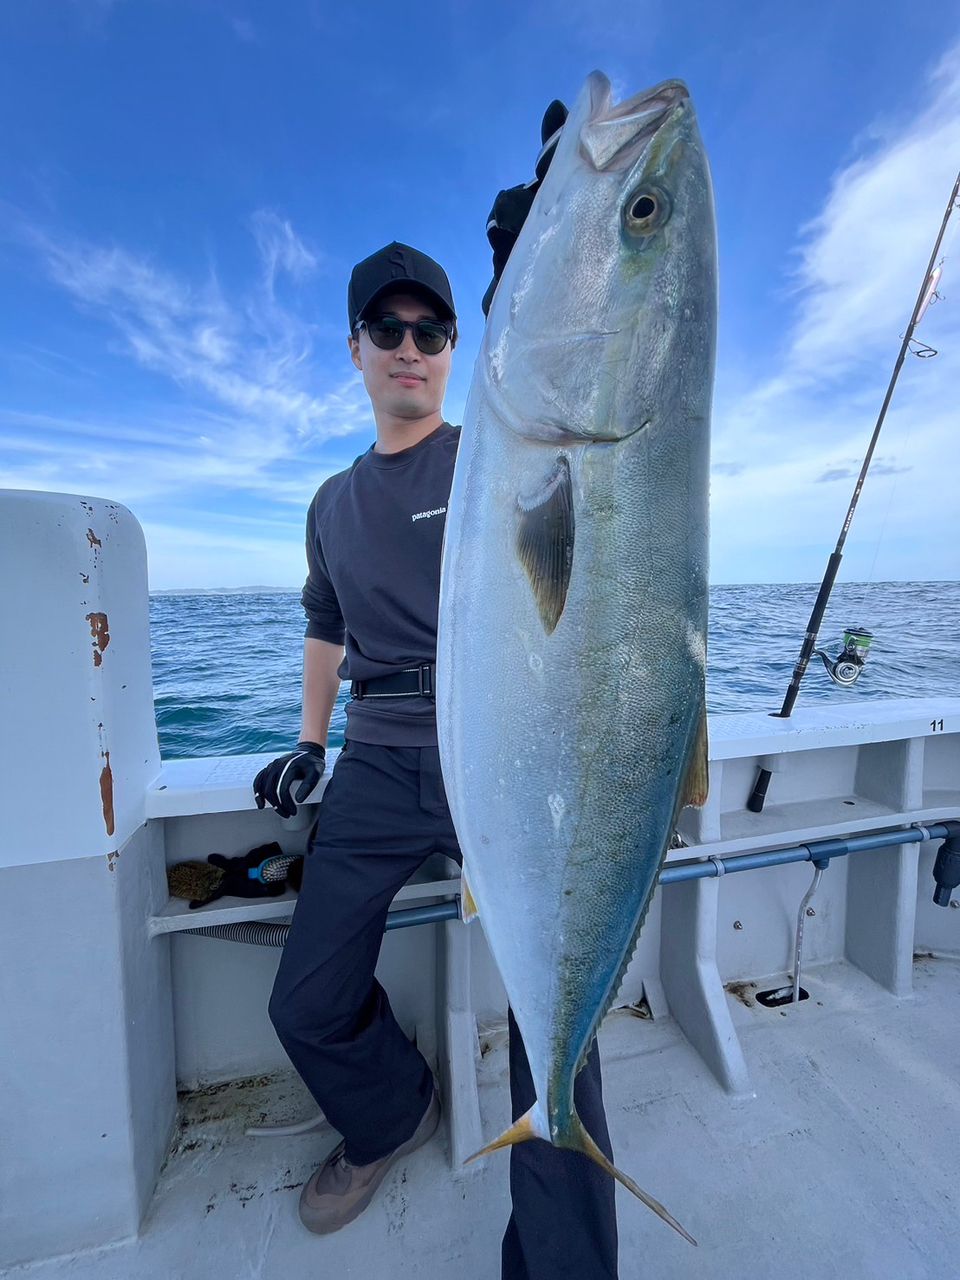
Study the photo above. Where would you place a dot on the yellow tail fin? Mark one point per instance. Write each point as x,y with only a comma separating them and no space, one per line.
579,1140
590,1148
521,1131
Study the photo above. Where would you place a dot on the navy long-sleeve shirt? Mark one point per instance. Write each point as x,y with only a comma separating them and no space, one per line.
374,537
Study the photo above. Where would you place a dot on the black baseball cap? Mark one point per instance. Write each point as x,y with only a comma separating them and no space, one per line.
396,267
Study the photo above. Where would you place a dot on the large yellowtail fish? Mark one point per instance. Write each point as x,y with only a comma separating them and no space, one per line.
573,604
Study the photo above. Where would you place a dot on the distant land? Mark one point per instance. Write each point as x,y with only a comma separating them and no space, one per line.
226,591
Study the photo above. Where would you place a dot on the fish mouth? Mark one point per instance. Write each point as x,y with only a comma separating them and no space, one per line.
663,96
614,136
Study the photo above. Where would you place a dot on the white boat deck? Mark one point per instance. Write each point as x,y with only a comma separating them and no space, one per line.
845,1164
812,1142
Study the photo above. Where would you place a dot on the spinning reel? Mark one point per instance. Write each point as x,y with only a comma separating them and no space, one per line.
846,667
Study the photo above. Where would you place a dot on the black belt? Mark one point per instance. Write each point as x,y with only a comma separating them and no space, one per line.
414,682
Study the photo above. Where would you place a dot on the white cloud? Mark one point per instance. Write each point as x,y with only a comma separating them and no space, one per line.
859,267
247,419
281,249
252,359
148,465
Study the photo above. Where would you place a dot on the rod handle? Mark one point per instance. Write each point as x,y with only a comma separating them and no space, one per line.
759,792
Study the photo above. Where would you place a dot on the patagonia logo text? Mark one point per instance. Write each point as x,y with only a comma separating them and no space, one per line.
425,515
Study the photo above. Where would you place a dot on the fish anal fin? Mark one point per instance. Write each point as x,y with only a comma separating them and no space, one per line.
696,782
468,904
544,542
521,1130
585,1144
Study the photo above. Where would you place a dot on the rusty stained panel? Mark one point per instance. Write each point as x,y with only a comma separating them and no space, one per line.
100,630
93,539
106,793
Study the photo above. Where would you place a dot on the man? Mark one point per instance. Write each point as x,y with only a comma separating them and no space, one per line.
374,535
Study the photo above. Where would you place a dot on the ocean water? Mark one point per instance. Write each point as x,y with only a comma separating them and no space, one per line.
227,667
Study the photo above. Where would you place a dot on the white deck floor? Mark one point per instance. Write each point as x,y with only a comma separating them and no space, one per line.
846,1163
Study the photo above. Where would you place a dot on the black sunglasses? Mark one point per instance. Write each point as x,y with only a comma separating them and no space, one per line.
387,333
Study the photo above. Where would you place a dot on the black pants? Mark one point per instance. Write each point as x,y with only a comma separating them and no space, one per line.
384,810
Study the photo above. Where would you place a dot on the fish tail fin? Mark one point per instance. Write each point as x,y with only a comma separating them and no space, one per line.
528,1126
584,1143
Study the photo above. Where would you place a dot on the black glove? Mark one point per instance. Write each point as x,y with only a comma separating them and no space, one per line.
273,784
511,207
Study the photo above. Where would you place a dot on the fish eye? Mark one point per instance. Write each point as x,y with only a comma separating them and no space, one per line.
646,210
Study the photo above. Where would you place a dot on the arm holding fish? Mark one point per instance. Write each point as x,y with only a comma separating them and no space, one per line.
511,207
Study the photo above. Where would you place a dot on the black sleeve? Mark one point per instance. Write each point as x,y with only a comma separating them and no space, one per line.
320,603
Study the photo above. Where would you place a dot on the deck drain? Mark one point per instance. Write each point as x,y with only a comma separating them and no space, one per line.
777,996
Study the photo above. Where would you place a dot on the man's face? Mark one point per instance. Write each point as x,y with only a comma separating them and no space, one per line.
403,382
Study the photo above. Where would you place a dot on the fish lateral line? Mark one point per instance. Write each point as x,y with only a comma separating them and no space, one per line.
578,1139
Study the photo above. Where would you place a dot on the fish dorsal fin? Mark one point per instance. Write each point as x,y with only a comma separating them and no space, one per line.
545,535
697,780
468,904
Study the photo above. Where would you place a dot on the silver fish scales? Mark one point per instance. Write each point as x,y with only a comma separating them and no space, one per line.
573,603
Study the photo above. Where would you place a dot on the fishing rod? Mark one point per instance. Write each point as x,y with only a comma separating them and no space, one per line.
847,666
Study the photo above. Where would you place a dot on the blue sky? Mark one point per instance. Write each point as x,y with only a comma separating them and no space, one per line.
185,185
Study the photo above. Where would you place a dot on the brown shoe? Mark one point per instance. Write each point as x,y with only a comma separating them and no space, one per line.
340,1191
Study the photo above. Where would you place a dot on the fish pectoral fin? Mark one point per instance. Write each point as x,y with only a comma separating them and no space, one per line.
696,783
588,1147
468,904
545,536
521,1130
